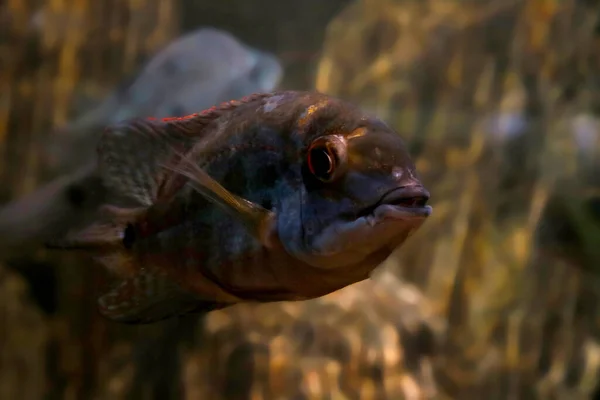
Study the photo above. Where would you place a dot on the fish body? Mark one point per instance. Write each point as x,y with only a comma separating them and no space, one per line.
275,197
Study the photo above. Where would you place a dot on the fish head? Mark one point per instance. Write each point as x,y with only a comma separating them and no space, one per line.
359,197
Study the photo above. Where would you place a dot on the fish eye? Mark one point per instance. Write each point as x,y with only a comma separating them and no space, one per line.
324,159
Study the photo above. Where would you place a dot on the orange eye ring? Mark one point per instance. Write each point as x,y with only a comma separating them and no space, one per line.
324,159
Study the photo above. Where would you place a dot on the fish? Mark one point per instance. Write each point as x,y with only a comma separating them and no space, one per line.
203,67
282,196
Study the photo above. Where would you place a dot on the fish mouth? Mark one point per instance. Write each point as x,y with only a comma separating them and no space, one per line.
383,225
400,203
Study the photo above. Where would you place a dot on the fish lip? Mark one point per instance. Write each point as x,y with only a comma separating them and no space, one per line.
404,202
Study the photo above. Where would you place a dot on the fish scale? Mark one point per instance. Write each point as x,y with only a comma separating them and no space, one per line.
231,207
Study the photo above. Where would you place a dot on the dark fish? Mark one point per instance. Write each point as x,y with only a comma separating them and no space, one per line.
282,196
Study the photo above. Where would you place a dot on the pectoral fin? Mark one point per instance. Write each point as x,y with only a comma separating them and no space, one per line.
259,221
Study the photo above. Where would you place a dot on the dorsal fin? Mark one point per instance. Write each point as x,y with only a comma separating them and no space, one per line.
131,153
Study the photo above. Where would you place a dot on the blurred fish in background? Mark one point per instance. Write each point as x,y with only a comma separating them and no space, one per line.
194,72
